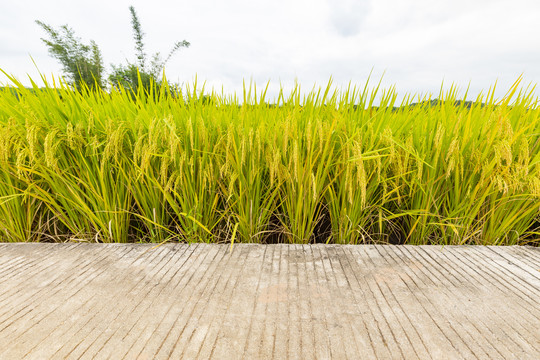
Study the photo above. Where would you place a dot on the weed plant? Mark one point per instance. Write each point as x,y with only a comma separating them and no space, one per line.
327,166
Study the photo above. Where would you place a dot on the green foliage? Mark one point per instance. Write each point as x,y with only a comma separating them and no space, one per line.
83,64
138,37
127,76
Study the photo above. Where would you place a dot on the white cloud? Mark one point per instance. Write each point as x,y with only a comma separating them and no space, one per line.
347,16
417,42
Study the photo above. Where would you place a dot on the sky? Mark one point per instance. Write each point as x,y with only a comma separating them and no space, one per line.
415,45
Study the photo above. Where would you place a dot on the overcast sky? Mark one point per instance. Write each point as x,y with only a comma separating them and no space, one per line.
417,43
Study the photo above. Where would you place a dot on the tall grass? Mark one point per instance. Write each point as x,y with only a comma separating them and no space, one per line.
326,166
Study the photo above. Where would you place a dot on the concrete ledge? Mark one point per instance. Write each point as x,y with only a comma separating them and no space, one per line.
72,301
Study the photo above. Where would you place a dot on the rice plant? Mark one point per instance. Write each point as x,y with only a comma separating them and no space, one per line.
326,166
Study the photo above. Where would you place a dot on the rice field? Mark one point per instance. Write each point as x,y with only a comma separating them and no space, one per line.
325,166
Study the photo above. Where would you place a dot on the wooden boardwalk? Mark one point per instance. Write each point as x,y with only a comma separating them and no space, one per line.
86,301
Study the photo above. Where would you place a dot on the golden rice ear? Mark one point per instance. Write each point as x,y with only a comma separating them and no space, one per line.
50,148
438,139
5,144
419,167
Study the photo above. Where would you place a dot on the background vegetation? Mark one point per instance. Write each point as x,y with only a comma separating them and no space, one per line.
83,64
